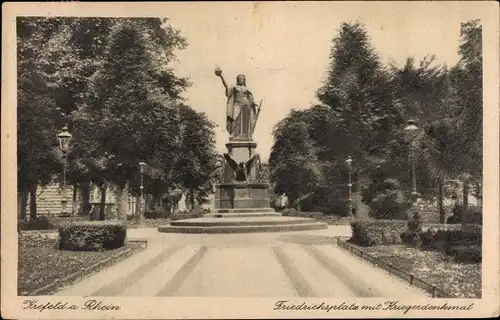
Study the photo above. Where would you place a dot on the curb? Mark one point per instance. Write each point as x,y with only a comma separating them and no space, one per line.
82,272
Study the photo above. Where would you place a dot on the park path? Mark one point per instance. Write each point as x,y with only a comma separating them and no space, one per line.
292,264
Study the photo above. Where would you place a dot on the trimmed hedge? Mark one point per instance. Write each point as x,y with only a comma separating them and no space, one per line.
466,253
466,234
472,215
464,244
40,223
376,232
92,235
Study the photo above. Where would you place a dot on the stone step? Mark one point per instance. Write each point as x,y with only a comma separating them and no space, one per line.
244,229
244,215
242,225
241,221
244,210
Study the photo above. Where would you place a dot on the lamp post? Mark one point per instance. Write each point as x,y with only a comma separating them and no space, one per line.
411,130
349,163
64,138
142,167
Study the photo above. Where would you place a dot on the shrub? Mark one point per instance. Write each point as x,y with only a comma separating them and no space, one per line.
40,223
330,200
186,215
414,230
466,234
428,238
289,212
388,201
92,235
153,215
376,232
453,219
133,217
467,253
471,215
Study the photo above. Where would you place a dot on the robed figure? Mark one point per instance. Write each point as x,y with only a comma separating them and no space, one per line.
241,109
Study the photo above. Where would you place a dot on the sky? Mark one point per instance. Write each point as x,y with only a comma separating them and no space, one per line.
283,49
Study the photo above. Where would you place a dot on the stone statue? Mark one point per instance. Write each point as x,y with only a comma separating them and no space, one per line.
241,110
243,169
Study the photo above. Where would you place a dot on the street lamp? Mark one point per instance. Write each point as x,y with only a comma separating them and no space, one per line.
142,167
64,138
349,162
411,129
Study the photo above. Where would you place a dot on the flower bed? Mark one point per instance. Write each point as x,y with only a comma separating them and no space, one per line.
40,263
462,280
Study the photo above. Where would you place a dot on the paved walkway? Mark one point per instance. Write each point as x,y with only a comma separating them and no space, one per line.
292,264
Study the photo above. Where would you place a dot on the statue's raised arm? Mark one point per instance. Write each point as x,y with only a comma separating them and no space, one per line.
218,73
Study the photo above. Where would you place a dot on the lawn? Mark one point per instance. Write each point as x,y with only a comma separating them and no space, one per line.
459,279
40,263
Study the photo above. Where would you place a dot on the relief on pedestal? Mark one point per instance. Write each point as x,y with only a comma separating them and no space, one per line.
242,171
241,193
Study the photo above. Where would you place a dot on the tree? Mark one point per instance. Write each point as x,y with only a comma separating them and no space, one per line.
356,93
447,104
425,93
127,101
467,79
36,132
294,168
184,154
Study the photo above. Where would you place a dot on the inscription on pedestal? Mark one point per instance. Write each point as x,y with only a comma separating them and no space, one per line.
241,193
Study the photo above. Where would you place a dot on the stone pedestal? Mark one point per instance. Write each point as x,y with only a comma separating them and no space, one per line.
242,207
251,194
242,195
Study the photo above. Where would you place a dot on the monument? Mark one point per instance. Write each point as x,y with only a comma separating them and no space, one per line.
242,196
241,188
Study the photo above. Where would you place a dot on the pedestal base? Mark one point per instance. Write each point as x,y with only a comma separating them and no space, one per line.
242,196
208,225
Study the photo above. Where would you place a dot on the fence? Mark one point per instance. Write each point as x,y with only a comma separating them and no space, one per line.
410,278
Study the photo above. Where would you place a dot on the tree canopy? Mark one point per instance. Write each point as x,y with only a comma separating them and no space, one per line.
363,112
111,81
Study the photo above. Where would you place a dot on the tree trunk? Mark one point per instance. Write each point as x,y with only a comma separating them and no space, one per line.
23,203
478,193
85,198
122,201
465,198
102,205
191,198
138,205
32,192
440,206
75,193
465,194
